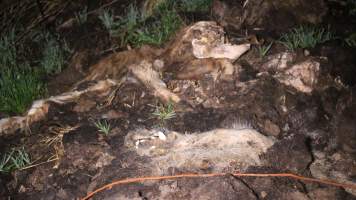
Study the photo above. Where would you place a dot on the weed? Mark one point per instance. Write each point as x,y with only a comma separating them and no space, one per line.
137,29
19,87
161,31
108,20
133,17
305,37
82,16
4,162
264,49
164,113
15,160
21,81
129,25
103,126
54,52
53,58
125,27
195,5
20,159
19,84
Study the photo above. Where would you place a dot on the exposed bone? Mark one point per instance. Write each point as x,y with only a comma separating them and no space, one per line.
229,51
150,78
181,50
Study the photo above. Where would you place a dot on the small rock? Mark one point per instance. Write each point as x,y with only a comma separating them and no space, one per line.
162,136
306,52
22,189
263,194
302,76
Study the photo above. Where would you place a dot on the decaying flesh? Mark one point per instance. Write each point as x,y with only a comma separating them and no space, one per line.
150,78
214,150
39,108
196,50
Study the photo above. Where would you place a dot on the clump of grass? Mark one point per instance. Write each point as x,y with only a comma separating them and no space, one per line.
137,29
82,16
195,5
103,126
4,162
164,113
264,49
53,57
19,88
129,26
160,31
108,20
14,160
305,37
19,83
24,66
125,27
20,159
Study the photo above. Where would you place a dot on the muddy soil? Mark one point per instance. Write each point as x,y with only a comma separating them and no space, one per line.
313,133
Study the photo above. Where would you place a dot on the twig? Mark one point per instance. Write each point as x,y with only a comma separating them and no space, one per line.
35,165
246,2
286,175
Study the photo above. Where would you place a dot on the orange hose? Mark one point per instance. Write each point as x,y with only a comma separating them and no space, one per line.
289,175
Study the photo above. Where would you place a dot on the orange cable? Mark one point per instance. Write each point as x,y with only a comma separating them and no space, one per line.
289,175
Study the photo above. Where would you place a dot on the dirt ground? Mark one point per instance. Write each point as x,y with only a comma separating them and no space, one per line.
311,133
